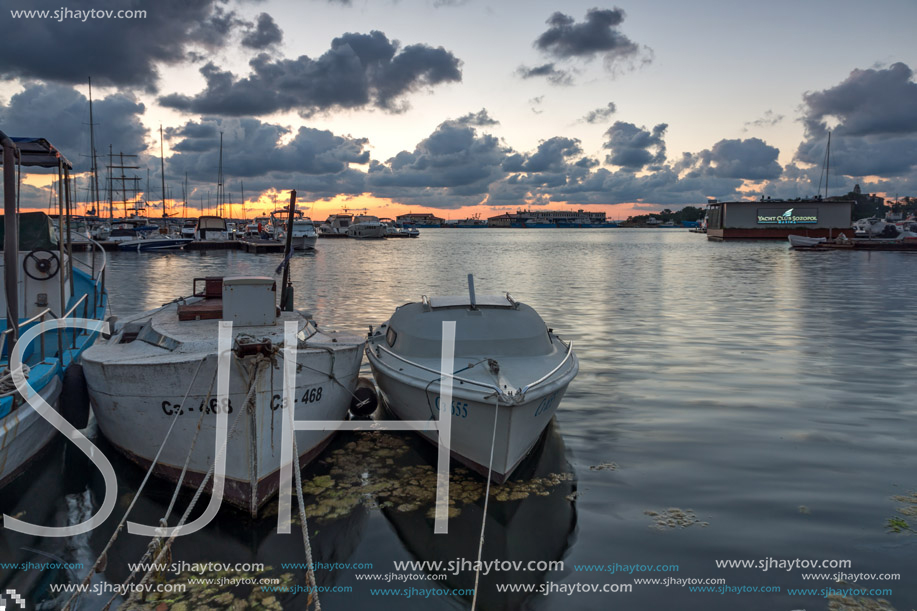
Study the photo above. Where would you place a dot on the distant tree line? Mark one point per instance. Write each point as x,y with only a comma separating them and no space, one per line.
688,213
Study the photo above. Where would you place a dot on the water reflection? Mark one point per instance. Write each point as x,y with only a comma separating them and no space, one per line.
536,528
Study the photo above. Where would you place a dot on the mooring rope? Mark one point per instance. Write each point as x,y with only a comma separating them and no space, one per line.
7,381
200,489
146,478
310,570
490,465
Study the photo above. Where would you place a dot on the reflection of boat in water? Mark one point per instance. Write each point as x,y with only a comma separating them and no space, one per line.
228,540
35,499
538,528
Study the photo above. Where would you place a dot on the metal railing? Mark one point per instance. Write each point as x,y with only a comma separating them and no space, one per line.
511,397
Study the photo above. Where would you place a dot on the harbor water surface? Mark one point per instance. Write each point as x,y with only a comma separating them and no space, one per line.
735,401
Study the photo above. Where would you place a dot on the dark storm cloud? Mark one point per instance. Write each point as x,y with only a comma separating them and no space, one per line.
631,146
874,113
554,75
750,159
265,34
359,70
600,114
598,35
453,167
317,162
128,55
551,155
117,119
252,148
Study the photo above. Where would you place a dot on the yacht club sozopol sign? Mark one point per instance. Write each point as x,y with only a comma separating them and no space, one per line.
793,216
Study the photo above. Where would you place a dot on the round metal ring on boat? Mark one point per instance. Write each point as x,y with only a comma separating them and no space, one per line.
45,267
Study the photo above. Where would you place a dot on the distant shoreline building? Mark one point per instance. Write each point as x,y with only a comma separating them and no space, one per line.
548,218
420,219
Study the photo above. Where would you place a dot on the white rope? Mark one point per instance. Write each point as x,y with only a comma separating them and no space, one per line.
146,478
490,465
310,570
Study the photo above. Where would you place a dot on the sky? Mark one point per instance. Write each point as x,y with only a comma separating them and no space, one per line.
464,107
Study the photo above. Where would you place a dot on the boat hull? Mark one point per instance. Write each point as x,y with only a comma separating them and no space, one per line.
304,242
518,426
24,434
155,244
134,412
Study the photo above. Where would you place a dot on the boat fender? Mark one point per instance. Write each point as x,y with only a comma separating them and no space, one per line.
75,397
112,324
364,401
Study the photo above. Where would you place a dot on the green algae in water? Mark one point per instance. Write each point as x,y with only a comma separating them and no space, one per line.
673,517
908,509
366,472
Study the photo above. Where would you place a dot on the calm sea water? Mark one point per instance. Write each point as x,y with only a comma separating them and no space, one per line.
736,401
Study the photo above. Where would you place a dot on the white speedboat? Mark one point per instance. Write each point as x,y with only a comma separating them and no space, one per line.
506,359
366,227
304,236
139,377
797,241
155,242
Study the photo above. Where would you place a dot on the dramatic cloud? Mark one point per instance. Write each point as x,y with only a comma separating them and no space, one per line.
631,146
315,162
600,114
874,113
451,168
750,159
265,34
554,75
359,70
63,118
252,148
597,36
67,49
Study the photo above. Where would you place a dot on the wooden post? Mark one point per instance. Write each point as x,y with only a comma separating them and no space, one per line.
286,294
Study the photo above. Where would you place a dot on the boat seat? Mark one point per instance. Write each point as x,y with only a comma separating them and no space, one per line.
206,309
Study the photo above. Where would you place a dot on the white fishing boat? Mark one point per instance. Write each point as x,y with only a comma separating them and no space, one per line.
51,286
800,241
366,227
506,359
139,377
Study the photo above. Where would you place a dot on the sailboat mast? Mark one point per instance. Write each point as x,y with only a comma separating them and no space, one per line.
94,187
220,185
162,172
827,164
